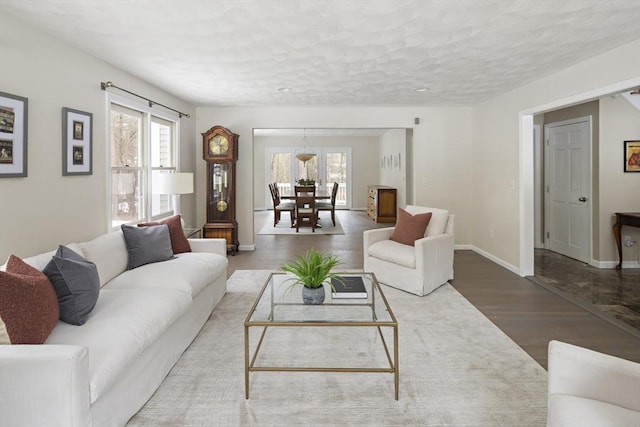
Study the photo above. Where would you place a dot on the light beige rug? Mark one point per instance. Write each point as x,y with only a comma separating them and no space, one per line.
456,369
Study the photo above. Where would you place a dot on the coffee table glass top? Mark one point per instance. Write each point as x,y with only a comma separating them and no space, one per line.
280,303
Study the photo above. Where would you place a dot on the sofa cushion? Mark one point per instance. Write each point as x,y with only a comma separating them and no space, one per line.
410,228
179,242
188,272
28,304
565,410
121,326
109,253
40,261
439,218
394,252
147,244
76,282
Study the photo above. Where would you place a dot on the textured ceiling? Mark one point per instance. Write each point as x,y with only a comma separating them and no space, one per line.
357,52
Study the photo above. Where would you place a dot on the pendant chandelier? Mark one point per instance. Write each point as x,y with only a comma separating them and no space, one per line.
305,157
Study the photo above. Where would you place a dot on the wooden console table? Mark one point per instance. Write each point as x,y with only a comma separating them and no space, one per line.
631,219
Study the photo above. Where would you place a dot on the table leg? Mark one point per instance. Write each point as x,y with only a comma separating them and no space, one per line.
616,233
396,373
246,362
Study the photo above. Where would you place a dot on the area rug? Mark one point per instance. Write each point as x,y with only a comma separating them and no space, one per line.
456,369
284,227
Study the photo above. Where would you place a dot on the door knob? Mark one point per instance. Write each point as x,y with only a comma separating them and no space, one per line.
582,199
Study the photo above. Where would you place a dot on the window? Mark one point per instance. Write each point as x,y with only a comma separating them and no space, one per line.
143,146
329,165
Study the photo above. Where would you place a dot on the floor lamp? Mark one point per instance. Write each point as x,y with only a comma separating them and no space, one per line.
175,184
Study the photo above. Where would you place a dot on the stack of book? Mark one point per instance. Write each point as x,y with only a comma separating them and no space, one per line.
348,287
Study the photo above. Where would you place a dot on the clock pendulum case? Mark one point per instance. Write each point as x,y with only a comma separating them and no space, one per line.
220,151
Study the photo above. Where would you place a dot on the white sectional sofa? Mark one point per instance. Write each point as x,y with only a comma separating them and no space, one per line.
102,373
591,389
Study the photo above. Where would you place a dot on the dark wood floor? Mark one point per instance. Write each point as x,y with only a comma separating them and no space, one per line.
528,313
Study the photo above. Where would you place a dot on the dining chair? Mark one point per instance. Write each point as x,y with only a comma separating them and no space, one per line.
331,205
279,206
306,212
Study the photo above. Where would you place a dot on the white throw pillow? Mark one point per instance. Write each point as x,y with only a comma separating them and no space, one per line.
439,219
109,253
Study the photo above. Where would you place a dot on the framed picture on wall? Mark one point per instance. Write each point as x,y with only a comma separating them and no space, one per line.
632,156
13,135
77,142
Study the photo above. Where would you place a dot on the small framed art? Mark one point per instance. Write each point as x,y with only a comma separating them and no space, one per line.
632,156
77,142
13,135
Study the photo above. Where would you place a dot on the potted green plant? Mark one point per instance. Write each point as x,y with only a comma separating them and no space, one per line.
306,182
312,270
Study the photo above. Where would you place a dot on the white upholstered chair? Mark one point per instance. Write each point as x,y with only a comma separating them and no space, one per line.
589,389
418,269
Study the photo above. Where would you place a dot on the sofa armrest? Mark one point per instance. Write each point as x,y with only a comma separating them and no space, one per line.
369,237
577,371
44,385
214,246
435,252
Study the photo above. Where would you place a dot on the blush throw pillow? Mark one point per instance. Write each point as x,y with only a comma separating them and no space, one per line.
28,304
179,242
147,244
410,228
76,282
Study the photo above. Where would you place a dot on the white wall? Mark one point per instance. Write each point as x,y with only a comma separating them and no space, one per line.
441,149
393,148
46,209
497,159
619,191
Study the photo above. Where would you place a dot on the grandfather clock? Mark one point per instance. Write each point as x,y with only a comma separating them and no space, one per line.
220,151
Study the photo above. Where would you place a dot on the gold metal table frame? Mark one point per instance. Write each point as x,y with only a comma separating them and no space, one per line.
263,314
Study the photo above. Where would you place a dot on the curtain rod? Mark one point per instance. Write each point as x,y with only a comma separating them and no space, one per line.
105,85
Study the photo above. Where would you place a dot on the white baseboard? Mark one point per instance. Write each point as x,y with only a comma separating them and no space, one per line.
613,264
497,260
248,248
463,247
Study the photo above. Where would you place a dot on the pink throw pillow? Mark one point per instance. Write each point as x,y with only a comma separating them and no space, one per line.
410,228
28,304
179,242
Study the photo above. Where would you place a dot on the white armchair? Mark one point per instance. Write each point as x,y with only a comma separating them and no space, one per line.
590,389
418,269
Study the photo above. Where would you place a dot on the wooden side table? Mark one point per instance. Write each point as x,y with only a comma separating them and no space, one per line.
631,219
193,233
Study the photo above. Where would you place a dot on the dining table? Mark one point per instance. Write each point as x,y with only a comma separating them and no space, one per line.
320,195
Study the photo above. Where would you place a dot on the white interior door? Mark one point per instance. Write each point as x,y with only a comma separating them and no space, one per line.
568,188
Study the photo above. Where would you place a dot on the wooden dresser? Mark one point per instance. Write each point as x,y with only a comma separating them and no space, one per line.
382,204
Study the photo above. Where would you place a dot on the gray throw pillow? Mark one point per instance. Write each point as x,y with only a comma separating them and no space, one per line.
147,244
76,282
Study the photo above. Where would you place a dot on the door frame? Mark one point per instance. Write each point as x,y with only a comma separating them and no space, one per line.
547,212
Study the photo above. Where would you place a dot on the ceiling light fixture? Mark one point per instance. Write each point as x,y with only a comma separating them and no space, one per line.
304,157
421,89
284,89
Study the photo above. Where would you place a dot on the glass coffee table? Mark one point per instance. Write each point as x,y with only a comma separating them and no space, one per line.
279,308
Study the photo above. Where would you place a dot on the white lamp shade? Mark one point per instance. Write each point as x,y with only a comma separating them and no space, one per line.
175,183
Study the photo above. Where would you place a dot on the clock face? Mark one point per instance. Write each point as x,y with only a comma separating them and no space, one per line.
218,145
